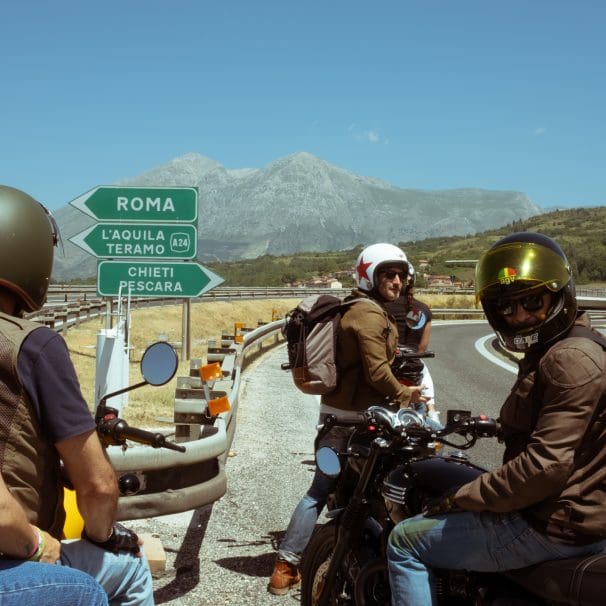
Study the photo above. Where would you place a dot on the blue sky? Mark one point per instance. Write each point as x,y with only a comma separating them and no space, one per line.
423,94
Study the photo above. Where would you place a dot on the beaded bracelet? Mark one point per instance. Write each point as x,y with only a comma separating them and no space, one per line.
37,553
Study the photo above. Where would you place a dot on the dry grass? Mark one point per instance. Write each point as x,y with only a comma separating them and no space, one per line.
209,320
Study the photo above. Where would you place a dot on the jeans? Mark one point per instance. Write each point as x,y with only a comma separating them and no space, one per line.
486,542
23,582
306,513
125,577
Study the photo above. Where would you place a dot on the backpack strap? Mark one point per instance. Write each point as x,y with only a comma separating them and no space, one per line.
346,304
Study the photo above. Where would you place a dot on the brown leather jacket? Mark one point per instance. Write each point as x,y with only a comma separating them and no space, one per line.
554,427
366,345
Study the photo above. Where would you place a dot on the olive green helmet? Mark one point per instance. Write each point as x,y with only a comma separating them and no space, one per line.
28,235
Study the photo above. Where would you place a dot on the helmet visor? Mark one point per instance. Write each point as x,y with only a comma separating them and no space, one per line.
520,267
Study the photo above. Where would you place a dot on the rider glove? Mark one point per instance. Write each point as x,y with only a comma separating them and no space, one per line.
121,539
444,504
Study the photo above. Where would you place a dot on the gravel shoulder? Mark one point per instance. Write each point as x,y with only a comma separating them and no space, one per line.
223,554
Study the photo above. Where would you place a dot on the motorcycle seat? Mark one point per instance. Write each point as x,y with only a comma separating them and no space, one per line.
573,581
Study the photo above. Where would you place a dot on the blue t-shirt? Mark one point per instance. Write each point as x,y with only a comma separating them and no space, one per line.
49,378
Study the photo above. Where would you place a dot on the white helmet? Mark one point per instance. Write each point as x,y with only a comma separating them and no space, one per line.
372,258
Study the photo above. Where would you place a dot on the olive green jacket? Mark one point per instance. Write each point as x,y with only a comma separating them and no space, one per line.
29,463
366,345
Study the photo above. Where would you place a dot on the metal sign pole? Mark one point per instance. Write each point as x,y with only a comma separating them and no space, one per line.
186,330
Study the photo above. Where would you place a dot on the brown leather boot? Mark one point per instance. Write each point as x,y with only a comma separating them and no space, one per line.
284,577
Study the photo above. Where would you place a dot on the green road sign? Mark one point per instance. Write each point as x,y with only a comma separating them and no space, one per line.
154,279
149,240
147,204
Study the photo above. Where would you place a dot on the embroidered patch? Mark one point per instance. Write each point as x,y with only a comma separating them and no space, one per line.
415,319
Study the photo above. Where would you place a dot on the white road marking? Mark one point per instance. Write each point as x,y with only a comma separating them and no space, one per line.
481,348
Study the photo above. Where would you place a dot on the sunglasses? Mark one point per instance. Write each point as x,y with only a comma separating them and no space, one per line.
390,274
506,307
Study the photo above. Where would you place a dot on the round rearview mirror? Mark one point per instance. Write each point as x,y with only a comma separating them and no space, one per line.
328,462
159,363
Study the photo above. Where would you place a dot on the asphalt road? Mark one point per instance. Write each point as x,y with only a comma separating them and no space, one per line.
223,554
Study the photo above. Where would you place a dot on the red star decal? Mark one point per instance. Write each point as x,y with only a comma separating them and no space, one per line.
361,269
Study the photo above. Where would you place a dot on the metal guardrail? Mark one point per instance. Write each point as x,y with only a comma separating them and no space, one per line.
162,481
172,482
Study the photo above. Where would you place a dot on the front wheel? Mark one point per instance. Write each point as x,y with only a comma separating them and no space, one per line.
315,564
362,580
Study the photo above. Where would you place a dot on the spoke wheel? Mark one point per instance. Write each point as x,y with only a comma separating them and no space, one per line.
315,565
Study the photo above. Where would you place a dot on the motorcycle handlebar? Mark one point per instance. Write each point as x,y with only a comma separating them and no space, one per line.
117,431
405,353
479,426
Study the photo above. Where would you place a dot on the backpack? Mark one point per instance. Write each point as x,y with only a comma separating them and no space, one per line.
311,338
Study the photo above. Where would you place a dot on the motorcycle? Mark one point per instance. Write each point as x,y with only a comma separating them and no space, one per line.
393,466
410,370
408,365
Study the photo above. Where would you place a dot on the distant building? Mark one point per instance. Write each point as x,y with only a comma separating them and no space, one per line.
436,281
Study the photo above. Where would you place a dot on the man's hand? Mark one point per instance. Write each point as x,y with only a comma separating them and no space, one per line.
52,549
444,504
121,539
416,396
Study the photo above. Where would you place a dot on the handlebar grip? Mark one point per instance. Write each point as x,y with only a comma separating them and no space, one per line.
485,427
120,431
406,354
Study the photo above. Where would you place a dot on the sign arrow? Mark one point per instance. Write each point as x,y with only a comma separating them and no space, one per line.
149,240
147,204
154,279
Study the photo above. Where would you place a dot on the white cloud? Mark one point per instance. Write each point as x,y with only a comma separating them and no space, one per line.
537,132
367,136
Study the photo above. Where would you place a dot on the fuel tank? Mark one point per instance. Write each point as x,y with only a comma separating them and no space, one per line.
407,487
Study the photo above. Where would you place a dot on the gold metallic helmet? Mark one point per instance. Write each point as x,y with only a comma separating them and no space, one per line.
526,263
28,235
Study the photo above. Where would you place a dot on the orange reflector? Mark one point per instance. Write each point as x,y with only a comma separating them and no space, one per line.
218,405
211,371
238,337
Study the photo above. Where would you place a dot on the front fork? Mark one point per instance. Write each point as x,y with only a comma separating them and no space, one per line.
351,520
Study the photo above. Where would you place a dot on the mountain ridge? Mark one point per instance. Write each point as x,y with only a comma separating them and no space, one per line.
300,203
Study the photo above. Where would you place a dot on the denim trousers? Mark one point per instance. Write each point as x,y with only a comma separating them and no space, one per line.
23,583
306,513
485,542
125,577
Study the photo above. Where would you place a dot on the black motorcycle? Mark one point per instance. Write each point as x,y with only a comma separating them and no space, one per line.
408,365
394,465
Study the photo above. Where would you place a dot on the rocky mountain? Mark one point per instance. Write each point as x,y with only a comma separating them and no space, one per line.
301,203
